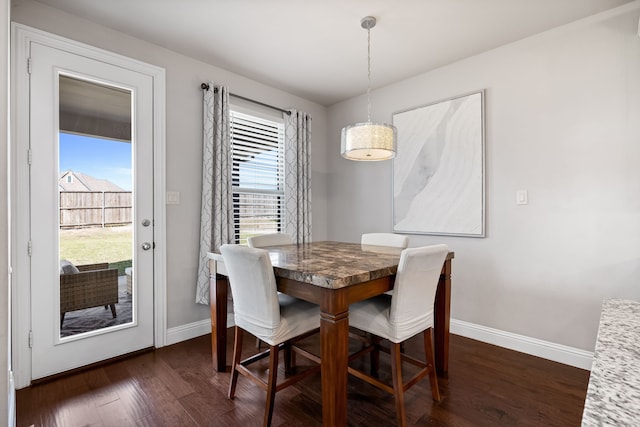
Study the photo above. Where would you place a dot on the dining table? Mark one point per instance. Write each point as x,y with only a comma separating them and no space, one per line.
332,275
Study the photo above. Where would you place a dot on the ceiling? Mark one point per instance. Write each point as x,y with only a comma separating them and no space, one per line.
88,108
316,49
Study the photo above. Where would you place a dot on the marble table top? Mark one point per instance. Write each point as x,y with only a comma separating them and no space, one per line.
613,395
333,264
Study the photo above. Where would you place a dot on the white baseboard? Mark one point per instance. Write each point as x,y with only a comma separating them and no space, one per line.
535,347
192,330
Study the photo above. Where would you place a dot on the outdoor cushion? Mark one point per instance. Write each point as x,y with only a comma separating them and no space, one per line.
66,267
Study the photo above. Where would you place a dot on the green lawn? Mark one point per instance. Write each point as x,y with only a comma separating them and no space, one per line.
92,245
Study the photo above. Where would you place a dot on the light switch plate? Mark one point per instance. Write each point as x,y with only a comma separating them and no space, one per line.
173,198
522,197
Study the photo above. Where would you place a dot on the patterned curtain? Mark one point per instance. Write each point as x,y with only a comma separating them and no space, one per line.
297,133
216,228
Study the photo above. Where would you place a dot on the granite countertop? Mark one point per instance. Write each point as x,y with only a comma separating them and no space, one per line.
613,395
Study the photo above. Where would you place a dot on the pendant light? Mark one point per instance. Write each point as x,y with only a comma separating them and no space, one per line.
369,141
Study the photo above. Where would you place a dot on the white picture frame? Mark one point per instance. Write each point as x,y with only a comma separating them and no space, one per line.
438,171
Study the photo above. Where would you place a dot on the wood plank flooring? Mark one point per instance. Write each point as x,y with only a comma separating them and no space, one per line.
177,386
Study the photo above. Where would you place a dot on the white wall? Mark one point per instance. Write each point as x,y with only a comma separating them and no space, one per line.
184,140
563,122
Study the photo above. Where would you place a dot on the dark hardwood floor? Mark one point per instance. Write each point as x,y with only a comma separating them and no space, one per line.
177,386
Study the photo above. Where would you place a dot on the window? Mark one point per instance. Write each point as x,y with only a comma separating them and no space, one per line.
257,150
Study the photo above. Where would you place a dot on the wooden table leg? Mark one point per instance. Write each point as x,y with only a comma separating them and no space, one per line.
334,343
218,305
442,318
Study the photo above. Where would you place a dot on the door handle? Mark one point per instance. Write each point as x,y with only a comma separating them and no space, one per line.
146,246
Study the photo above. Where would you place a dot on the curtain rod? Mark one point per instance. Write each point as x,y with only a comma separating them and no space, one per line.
205,86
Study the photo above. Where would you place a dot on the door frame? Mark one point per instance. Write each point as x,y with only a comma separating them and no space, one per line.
22,36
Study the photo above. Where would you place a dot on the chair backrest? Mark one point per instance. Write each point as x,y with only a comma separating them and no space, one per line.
253,287
273,239
385,239
415,287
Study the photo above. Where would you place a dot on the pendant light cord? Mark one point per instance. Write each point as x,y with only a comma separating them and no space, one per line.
369,74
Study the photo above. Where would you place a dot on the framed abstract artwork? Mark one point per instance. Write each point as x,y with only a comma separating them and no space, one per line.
438,172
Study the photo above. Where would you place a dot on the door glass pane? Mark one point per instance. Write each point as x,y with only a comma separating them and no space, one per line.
95,186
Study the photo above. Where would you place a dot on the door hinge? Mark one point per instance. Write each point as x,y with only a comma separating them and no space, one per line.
29,65
29,248
30,339
29,156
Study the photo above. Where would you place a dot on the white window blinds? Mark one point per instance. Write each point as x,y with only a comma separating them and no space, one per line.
257,147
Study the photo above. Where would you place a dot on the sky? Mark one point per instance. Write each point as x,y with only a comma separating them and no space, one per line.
99,158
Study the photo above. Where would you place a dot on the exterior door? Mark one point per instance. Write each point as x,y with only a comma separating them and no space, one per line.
91,210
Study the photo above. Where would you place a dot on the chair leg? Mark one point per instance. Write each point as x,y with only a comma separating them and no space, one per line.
398,385
292,361
113,310
237,353
433,377
271,385
374,356
289,358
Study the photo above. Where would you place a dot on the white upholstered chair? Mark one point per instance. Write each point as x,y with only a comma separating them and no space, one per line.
396,318
272,239
385,239
276,319
264,240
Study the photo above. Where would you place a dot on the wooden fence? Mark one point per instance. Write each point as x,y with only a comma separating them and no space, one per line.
95,208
